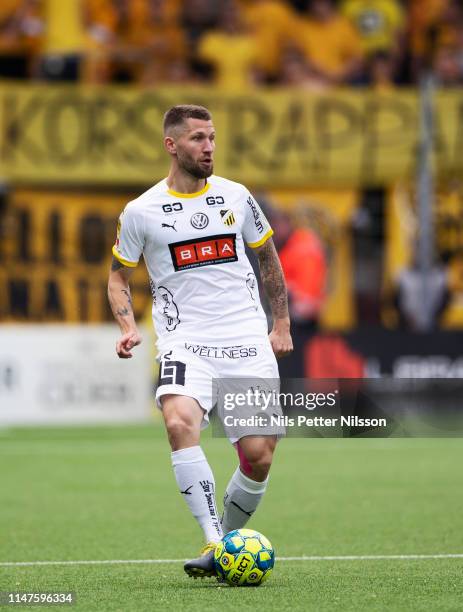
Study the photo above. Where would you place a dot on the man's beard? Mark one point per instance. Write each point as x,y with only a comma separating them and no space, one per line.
193,168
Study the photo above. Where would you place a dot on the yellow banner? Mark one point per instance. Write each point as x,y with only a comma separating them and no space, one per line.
113,135
57,259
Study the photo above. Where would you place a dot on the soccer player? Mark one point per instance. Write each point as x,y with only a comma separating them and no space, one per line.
191,228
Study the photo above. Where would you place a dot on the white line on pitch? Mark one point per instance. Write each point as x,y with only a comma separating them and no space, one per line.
303,558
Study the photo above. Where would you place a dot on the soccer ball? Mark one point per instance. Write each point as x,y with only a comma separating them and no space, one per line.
244,557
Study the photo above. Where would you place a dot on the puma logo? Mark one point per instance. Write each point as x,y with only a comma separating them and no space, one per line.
168,225
242,509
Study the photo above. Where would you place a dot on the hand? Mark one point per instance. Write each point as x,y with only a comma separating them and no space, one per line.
126,343
280,338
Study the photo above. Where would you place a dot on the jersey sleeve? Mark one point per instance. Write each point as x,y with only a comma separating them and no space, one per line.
129,240
256,228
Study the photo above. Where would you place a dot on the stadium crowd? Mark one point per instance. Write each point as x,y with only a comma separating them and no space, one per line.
240,44
314,44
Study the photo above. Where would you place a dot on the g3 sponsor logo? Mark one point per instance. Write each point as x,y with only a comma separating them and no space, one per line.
215,201
199,220
172,208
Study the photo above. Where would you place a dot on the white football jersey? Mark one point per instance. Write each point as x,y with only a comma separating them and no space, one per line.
204,288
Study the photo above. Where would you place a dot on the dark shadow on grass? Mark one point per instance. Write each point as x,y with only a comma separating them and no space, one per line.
195,584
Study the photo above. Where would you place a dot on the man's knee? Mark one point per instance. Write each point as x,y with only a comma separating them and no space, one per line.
177,425
256,456
182,418
261,466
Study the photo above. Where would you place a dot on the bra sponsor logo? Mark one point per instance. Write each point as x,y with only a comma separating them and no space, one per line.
207,251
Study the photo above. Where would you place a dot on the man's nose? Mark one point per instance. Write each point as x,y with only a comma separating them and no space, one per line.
208,146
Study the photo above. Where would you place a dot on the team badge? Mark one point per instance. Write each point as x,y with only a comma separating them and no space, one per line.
227,217
199,220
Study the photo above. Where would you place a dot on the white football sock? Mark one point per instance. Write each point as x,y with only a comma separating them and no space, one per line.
240,501
196,483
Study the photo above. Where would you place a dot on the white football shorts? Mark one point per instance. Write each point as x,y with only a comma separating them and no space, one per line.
193,369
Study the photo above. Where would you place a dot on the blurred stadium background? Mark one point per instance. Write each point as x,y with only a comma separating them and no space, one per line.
344,118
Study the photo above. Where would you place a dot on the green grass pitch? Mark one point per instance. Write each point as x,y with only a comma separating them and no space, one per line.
109,494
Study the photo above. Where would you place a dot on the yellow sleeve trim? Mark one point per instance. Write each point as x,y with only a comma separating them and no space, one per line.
262,241
129,264
177,194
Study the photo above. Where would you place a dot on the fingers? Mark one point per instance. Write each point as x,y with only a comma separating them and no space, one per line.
126,343
123,350
280,347
283,352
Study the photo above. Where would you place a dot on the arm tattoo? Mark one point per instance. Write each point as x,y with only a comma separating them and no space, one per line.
116,265
127,293
273,280
123,312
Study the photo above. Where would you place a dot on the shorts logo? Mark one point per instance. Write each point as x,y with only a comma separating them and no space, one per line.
172,373
227,217
207,251
199,220
222,352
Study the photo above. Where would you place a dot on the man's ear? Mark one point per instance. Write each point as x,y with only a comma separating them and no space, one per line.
170,145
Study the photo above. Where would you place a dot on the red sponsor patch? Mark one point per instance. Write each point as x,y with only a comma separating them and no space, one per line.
204,252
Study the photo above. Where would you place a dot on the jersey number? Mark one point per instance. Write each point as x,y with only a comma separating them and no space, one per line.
172,373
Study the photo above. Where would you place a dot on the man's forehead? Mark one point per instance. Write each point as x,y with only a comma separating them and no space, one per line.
195,125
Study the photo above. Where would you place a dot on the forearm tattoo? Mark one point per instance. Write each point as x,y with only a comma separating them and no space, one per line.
129,297
273,280
120,311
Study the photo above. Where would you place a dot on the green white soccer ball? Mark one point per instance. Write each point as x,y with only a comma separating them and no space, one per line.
244,558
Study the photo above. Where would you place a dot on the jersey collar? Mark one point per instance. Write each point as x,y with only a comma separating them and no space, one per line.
189,195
